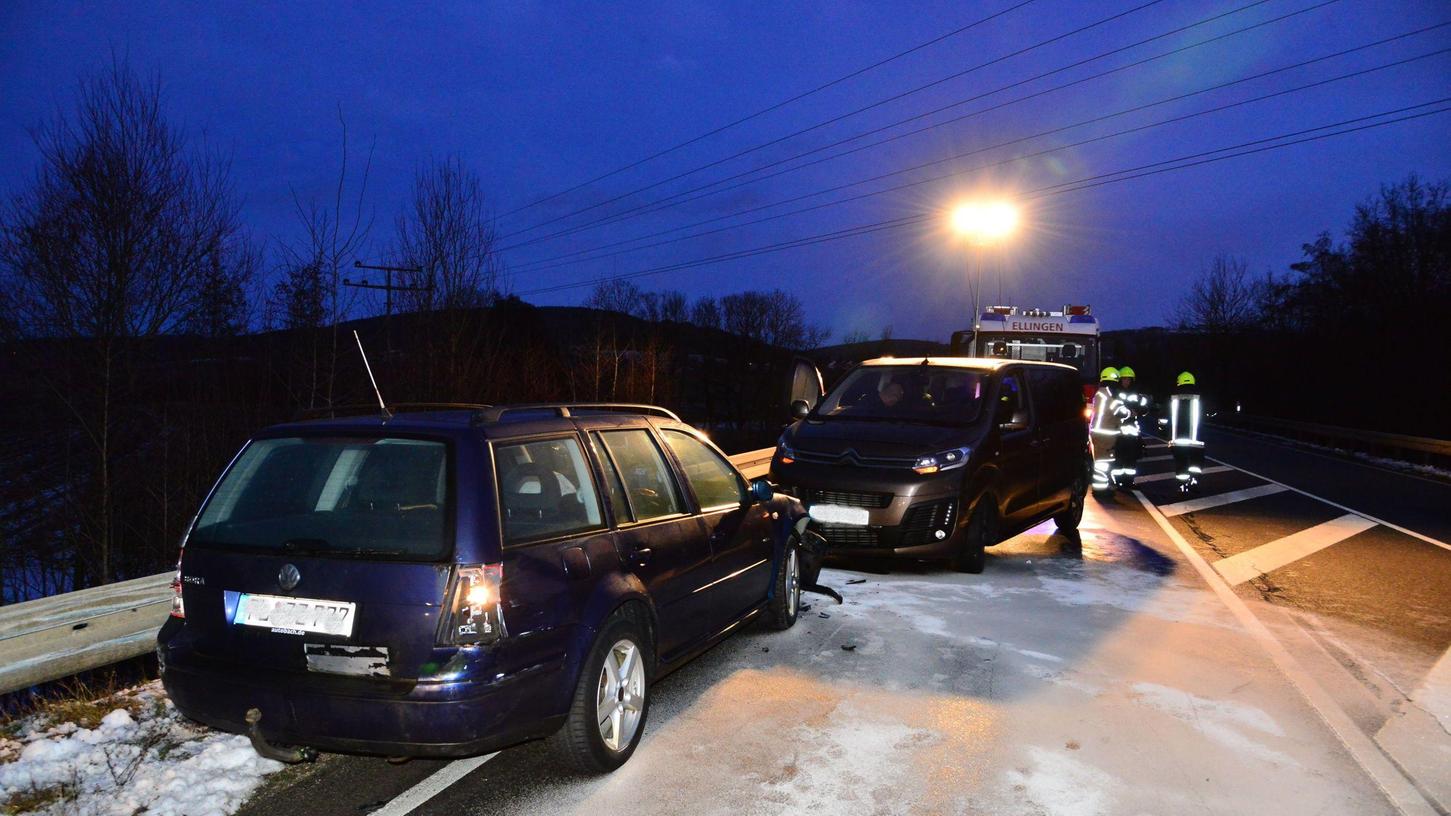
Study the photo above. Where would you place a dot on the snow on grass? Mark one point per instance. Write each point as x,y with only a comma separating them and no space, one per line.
1223,721
1060,784
141,756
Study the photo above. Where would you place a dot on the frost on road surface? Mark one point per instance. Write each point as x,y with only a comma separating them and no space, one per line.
141,757
1106,681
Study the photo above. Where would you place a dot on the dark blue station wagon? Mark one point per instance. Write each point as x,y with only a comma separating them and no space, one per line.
448,582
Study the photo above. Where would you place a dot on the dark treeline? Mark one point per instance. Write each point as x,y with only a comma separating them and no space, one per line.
145,332
1354,334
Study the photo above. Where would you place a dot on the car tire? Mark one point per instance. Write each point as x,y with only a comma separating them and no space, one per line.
585,741
1069,519
785,603
981,533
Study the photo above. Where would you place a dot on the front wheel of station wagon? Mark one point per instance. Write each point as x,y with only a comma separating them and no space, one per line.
607,714
785,603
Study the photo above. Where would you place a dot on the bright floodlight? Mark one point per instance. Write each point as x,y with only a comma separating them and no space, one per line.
985,221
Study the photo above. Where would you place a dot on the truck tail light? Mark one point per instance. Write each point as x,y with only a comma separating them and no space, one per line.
474,614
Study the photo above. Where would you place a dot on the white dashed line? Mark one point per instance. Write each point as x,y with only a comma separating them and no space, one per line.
1220,499
1241,567
1165,476
432,785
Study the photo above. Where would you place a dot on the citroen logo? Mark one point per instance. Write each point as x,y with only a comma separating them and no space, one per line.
849,457
288,577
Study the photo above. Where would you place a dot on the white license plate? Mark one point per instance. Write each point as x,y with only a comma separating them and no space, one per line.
295,615
836,514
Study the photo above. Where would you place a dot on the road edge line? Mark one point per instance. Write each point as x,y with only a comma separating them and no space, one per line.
1398,528
1400,791
432,785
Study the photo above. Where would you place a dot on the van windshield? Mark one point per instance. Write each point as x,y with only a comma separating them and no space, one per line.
362,497
915,393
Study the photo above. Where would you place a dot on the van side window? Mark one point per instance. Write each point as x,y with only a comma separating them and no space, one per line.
648,483
1056,394
618,501
545,490
715,482
1013,401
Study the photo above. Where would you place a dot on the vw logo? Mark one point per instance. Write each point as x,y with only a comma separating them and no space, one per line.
288,577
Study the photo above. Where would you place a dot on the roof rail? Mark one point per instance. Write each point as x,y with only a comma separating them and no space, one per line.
565,409
354,409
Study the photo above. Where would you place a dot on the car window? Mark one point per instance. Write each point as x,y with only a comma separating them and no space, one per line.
616,488
380,497
1056,395
714,480
648,483
545,490
1013,400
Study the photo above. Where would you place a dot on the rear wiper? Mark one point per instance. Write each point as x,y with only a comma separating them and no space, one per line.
306,545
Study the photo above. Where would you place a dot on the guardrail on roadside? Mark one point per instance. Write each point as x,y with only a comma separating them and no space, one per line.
1419,449
51,638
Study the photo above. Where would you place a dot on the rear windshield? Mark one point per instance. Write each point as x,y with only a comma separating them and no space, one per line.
378,497
916,393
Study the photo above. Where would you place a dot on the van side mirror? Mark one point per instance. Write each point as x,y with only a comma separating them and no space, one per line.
800,409
1070,351
761,490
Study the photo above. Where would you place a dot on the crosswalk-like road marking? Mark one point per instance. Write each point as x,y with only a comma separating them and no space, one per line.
1219,499
1241,567
1160,477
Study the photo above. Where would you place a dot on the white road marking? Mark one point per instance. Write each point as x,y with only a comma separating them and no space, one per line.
1160,477
1219,499
1398,528
1399,790
1241,567
432,785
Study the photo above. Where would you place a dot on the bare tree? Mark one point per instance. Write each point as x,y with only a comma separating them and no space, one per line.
776,318
705,312
616,295
1223,298
445,231
124,233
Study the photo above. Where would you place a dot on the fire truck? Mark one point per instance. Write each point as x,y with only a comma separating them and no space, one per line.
1009,332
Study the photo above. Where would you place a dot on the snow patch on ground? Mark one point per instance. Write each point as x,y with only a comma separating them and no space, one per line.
1222,721
849,764
150,761
1060,784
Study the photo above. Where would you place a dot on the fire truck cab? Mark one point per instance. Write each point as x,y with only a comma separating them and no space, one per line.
1008,332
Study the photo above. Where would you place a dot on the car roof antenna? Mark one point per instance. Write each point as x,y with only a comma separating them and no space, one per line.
382,407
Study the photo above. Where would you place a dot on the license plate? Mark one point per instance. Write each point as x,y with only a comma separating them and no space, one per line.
835,514
295,615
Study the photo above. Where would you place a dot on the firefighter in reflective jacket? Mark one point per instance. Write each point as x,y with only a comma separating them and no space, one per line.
1108,414
1185,413
1130,447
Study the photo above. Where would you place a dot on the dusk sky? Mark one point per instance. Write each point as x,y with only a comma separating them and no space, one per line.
538,97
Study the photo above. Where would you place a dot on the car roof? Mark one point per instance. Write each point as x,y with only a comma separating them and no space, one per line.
972,363
491,421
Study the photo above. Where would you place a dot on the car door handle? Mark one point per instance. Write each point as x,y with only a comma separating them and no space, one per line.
640,556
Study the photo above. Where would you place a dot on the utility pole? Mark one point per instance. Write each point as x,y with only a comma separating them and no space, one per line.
388,290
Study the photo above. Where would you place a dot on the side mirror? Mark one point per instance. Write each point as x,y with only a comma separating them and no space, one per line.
800,409
761,490
1070,351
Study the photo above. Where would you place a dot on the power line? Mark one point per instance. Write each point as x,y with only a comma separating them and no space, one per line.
838,118
777,106
568,259
695,193
1256,146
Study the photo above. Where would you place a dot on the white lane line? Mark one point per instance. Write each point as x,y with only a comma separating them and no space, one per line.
432,785
1241,567
1160,477
1399,790
1218,499
1398,528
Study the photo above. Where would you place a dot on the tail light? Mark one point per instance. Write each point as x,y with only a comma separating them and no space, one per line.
475,612
178,609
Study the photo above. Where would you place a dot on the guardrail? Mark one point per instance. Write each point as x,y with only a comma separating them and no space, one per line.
63,635
1425,450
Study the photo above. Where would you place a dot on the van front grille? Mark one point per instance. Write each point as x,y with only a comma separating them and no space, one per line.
846,535
850,499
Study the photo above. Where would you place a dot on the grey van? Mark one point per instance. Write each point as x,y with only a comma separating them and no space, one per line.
936,458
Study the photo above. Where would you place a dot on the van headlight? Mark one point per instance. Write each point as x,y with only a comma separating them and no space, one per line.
938,462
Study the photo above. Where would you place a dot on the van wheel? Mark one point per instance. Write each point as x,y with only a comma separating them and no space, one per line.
1068,520
607,715
981,533
785,603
